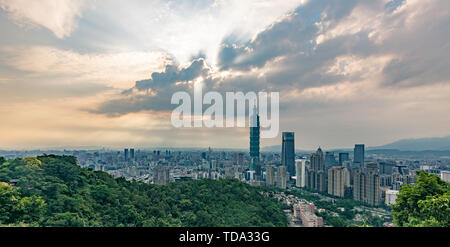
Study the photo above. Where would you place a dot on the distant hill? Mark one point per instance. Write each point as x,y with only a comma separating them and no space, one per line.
433,143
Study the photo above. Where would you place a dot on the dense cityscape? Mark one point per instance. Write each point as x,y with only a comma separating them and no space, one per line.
371,180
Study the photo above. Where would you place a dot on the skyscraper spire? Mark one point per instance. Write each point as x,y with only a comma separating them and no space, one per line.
254,116
254,141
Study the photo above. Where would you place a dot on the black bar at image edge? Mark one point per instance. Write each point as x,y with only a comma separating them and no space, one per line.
226,236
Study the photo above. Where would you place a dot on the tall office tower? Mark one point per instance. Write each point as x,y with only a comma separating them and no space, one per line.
342,158
125,154
330,159
161,175
366,185
254,139
132,153
337,176
281,177
358,155
300,170
373,184
270,175
347,178
317,161
387,167
288,152
315,175
359,188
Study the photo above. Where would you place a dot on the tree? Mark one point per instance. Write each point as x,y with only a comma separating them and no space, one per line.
426,204
8,202
55,191
16,209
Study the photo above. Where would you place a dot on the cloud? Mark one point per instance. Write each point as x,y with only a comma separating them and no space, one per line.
105,68
322,43
58,16
154,94
308,41
173,74
295,34
184,28
347,71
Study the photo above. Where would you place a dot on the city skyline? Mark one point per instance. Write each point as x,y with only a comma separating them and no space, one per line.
101,74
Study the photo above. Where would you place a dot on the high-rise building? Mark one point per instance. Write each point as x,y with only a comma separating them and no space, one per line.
270,176
358,155
342,158
300,170
125,154
338,180
359,188
288,152
366,185
281,177
161,175
254,140
387,167
330,159
315,175
132,153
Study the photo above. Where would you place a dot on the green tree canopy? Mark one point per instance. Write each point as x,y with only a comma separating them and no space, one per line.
54,191
425,204
15,209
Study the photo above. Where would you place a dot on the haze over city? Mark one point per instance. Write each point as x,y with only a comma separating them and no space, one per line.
102,73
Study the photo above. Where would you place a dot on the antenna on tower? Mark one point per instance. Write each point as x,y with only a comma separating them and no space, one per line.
254,115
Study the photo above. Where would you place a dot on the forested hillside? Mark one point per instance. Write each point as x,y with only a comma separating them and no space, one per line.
55,191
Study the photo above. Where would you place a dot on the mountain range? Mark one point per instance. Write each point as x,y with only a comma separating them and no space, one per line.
430,143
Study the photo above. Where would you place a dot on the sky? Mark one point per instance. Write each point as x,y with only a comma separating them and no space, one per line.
102,73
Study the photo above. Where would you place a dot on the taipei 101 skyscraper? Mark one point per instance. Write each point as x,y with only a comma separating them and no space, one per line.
254,142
